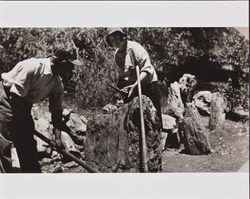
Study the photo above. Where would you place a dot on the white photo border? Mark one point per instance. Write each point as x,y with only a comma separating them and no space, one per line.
125,14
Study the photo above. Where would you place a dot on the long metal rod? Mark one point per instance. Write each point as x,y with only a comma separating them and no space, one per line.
143,135
66,154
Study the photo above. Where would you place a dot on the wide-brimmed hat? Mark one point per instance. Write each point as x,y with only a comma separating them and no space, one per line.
67,55
111,31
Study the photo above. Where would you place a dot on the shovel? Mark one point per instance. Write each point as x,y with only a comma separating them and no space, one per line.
65,153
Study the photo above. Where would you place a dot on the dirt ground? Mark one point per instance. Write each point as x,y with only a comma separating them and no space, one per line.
230,152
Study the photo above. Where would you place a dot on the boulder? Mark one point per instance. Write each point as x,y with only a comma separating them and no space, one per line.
75,125
113,140
174,106
76,122
202,101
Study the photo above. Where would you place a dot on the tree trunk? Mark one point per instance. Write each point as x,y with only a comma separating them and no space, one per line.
113,140
217,117
194,137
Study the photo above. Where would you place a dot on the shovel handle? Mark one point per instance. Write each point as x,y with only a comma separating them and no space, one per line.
143,135
66,154
117,89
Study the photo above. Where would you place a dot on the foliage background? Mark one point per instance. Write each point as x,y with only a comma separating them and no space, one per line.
213,55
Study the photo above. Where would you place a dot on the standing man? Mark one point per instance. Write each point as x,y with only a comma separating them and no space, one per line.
127,56
31,81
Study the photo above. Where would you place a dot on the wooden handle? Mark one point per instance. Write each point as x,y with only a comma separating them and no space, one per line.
143,135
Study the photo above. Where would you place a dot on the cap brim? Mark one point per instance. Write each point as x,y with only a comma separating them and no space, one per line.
76,62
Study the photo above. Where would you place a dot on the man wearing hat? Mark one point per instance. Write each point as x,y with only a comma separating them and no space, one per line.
129,54
31,81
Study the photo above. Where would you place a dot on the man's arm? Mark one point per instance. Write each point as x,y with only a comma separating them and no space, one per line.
143,79
55,107
56,117
138,55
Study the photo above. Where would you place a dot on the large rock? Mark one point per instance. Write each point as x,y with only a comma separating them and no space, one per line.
174,106
113,140
202,101
76,122
42,121
187,83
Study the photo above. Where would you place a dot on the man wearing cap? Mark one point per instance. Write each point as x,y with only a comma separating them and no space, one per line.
127,56
31,81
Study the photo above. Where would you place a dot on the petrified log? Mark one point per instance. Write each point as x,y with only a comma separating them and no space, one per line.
113,140
194,137
217,117
174,105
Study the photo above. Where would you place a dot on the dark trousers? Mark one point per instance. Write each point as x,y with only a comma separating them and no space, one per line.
23,136
152,91
16,124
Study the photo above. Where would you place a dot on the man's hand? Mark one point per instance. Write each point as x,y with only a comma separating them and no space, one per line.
58,138
130,89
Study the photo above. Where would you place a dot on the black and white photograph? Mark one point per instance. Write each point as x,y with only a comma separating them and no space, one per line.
124,99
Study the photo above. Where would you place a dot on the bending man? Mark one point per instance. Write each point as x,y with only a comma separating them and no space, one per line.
31,81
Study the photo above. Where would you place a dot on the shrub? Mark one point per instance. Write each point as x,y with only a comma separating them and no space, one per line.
172,51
